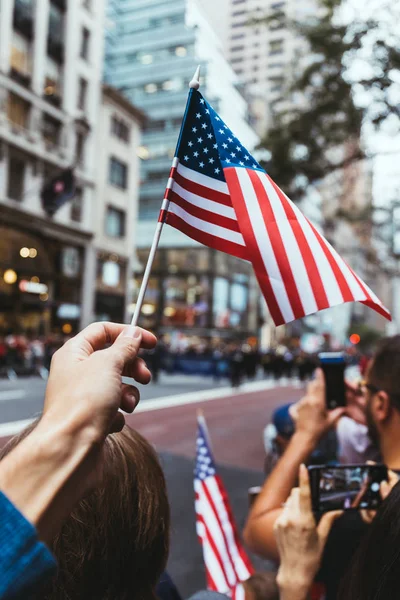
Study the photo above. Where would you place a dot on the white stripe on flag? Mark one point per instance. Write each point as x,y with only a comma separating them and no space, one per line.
201,202
264,244
293,252
214,184
239,593
331,286
240,567
215,530
212,565
350,277
205,226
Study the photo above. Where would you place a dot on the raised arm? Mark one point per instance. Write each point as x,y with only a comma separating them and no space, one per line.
312,421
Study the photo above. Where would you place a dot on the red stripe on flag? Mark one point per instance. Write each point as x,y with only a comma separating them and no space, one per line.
340,278
205,215
231,518
252,245
203,191
214,548
278,245
212,241
308,258
224,499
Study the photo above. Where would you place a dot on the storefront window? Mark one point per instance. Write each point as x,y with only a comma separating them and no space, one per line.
143,256
186,301
239,300
150,307
184,259
221,302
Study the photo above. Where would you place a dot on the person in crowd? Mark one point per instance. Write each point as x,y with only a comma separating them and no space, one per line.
261,586
374,573
115,542
236,366
61,460
312,420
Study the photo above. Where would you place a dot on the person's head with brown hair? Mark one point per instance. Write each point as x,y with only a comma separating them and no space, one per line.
381,391
114,545
261,586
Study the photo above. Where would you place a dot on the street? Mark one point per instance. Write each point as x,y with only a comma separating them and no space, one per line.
167,418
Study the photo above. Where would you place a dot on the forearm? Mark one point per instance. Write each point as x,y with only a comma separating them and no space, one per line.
36,476
291,592
283,478
258,532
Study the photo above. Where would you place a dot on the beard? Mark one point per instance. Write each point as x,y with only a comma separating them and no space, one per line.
372,428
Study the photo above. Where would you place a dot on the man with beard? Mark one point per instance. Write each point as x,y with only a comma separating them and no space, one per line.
381,402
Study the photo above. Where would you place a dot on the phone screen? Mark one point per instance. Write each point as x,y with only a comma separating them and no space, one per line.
333,366
342,488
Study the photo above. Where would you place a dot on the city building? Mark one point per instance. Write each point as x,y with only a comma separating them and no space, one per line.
119,132
51,65
264,51
152,51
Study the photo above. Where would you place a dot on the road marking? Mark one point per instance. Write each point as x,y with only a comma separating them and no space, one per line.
8,429
7,395
12,428
203,396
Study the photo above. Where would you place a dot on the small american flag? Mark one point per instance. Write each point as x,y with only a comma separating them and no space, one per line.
220,196
225,559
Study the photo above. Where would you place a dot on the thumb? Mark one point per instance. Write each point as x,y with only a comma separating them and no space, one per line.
126,346
326,523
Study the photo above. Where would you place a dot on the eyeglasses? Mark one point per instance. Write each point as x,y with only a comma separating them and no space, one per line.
363,386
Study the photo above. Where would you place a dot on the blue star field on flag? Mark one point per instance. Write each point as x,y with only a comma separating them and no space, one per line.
208,145
205,466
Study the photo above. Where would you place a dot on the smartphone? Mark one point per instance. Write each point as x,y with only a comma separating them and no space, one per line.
333,365
349,487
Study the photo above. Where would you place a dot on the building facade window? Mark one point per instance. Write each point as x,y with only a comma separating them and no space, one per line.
80,149
118,173
20,60
18,111
85,44
115,222
51,131
77,206
23,17
276,47
82,93
16,177
120,129
55,40
53,82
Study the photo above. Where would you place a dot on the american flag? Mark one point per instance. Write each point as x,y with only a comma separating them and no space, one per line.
220,196
225,559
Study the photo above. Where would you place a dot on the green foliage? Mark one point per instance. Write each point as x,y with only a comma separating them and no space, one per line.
304,141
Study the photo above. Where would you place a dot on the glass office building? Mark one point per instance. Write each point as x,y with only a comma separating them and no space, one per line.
153,49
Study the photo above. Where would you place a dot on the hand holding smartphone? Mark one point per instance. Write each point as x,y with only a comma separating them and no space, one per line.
333,365
350,487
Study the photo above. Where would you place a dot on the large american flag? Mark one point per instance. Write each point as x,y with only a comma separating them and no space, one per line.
225,559
220,196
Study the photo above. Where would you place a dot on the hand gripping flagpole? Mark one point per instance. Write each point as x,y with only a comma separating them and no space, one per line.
193,85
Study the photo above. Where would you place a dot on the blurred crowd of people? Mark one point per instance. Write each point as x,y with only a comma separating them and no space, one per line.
26,354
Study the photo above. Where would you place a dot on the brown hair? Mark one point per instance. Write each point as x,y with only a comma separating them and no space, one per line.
114,545
261,586
384,369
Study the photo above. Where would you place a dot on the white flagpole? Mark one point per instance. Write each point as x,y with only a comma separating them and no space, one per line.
193,85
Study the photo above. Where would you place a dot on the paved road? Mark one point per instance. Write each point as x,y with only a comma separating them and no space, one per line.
23,398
